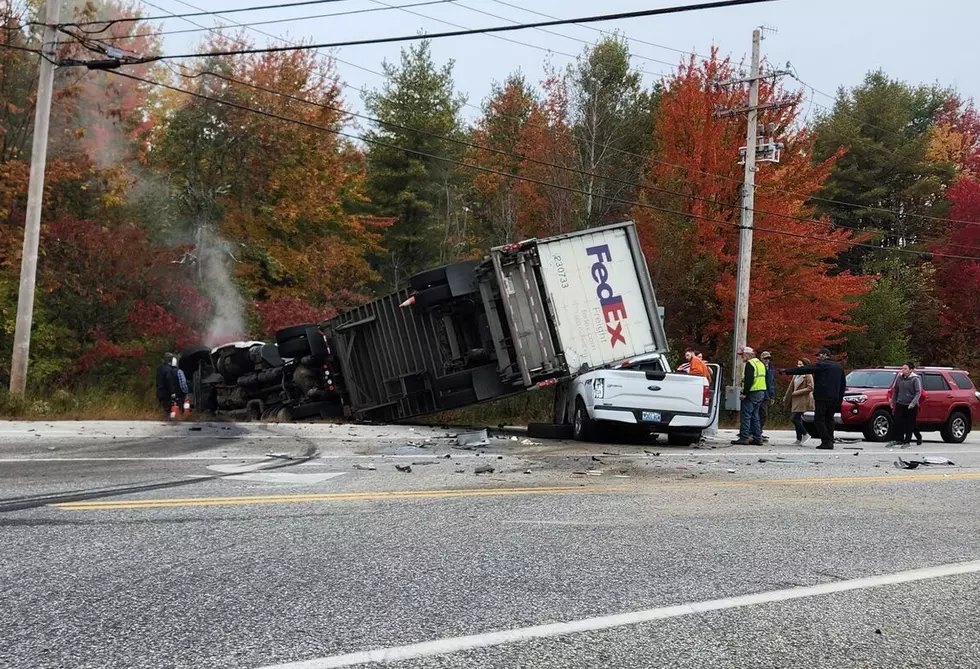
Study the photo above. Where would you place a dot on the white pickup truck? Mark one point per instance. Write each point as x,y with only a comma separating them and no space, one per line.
640,396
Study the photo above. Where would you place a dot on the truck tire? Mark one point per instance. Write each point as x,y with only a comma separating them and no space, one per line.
682,439
956,428
430,277
880,426
292,332
431,297
549,431
583,427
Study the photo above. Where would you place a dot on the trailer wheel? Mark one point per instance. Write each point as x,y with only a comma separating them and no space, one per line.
429,277
549,431
430,297
292,332
583,426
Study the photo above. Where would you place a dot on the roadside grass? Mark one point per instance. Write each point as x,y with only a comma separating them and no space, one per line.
81,404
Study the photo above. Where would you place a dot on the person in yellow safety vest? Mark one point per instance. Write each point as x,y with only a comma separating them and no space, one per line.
753,395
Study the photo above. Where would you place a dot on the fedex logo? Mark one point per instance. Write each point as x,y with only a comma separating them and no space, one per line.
613,309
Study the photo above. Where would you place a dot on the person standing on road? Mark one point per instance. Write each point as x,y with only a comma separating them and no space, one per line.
905,404
799,400
766,358
829,384
167,386
753,395
182,388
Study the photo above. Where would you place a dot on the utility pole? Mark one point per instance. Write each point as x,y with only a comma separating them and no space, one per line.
755,150
35,195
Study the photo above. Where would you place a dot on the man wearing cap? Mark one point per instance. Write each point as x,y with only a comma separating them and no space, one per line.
829,384
753,395
766,358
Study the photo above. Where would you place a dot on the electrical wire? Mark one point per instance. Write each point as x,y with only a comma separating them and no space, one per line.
501,37
488,170
270,21
677,9
526,158
132,19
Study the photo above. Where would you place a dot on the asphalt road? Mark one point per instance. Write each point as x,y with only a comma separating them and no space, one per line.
150,545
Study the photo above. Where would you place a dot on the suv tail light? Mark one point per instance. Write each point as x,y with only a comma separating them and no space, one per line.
706,396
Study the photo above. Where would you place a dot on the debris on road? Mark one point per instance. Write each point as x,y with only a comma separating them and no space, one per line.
404,468
596,459
527,471
594,472
194,429
782,460
366,468
528,442
447,456
483,469
912,464
731,471
279,456
513,439
471,439
620,476
425,462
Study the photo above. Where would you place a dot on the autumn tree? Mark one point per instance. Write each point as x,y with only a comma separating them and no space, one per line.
528,143
883,182
689,224
264,198
611,117
411,172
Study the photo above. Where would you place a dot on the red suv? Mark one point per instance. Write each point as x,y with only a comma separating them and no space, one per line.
950,405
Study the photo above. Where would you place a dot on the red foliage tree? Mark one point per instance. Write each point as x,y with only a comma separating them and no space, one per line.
690,226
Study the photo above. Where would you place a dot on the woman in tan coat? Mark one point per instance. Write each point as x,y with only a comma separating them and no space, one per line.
799,398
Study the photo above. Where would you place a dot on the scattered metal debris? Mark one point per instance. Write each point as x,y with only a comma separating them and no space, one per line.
912,464
404,468
366,468
471,439
483,469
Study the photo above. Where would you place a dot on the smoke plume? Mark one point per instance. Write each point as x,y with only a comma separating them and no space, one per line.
214,266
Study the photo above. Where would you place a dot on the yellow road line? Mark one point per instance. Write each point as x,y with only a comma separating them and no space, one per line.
99,505
898,478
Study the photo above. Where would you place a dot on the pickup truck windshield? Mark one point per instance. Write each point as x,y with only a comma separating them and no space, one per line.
871,379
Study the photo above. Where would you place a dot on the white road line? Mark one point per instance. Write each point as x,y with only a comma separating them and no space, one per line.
457,644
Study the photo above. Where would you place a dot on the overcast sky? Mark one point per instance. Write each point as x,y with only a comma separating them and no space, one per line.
830,43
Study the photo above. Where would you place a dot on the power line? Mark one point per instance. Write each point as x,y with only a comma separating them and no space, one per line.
501,37
270,21
568,37
603,32
770,188
678,9
488,170
132,19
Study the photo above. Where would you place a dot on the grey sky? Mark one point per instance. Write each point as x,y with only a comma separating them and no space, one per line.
829,42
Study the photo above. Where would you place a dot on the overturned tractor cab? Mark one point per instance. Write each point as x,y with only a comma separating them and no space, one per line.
287,380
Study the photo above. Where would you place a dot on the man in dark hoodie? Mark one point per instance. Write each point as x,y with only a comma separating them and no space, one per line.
167,388
829,384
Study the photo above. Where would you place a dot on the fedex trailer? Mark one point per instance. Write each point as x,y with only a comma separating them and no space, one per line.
529,315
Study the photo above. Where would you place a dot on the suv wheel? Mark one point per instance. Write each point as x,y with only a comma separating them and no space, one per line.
879,427
956,428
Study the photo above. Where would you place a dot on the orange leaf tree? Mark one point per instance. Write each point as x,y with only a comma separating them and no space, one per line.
690,224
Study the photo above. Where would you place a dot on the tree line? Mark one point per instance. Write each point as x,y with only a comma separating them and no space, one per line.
265,199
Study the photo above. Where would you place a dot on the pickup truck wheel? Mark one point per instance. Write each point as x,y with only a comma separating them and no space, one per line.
682,439
956,428
879,427
583,427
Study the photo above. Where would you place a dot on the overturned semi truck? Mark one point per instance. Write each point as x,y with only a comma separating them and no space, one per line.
529,315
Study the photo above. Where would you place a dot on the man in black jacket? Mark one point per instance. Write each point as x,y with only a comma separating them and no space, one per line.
829,384
167,387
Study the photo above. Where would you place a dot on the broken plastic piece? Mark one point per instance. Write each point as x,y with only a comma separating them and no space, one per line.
470,439
365,468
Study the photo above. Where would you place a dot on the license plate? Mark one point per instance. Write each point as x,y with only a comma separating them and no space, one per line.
651,417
